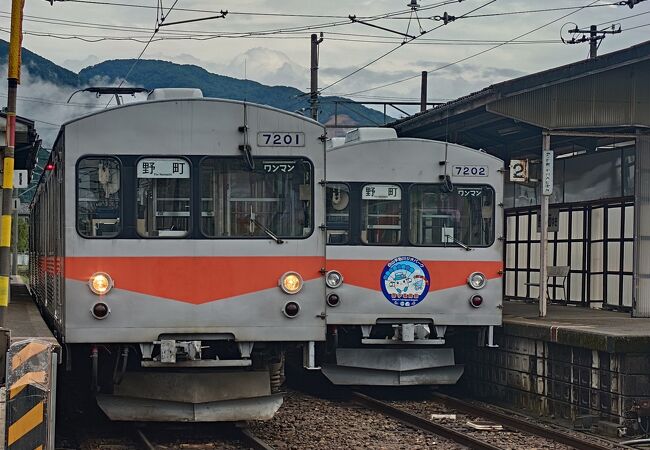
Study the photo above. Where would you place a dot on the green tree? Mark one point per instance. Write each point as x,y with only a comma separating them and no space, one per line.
23,235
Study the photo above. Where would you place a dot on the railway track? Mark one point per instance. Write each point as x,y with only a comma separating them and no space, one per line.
420,423
237,438
510,421
465,437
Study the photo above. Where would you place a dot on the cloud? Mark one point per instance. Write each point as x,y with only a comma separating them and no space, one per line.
77,64
261,64
47,103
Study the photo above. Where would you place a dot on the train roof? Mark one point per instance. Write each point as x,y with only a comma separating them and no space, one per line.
161,98
368,138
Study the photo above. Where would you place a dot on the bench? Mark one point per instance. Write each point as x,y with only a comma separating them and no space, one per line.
559,275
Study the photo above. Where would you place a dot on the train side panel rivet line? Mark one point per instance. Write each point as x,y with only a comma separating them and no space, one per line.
29,389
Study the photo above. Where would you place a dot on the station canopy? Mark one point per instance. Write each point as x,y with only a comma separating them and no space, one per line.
608,95
27,141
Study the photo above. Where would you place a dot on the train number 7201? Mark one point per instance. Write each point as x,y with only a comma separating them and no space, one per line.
470,171
275,139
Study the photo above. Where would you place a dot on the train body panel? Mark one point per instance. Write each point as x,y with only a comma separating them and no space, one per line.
410,221
177,251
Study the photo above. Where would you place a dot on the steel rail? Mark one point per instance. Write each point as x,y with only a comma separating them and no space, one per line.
249,439
420,423
519,424
144,439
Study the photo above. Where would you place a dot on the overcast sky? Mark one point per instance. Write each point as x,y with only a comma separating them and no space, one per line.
284,58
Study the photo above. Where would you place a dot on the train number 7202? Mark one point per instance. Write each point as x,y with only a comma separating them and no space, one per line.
470,171
275,139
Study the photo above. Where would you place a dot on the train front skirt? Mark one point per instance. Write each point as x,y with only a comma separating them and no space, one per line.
191,397
393,367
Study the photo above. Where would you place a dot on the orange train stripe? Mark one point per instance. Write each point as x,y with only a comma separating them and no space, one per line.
443,274
33,418
25,380
194,279
29,350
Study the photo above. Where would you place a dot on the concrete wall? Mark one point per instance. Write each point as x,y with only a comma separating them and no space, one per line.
559,381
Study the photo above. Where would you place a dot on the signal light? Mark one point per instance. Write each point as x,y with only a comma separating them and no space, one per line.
291,309
49,166
476,301
100,310
333,300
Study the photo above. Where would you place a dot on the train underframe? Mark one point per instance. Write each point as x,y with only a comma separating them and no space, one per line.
182,379
393,353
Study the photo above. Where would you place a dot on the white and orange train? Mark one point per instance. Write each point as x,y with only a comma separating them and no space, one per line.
176,243
413,255
178,249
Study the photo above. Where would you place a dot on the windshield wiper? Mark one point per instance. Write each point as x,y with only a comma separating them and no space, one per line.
268,232
456,241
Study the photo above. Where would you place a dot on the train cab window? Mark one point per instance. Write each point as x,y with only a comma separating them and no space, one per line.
163,197
338,213
381,214
272,199
464,215
98,197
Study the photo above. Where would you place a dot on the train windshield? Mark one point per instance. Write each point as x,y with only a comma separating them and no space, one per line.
163,197
275,196
444,218
98,197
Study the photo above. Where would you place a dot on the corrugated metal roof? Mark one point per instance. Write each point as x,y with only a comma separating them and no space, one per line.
563,74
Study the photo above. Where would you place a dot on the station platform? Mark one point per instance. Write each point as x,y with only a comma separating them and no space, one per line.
587,367
595,329
23,317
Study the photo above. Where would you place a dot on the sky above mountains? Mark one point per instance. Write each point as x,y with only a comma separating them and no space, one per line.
79,33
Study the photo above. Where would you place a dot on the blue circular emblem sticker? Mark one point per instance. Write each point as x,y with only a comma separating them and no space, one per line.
405,281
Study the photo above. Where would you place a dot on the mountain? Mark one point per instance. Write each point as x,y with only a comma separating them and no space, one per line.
153,74
160,74
41,68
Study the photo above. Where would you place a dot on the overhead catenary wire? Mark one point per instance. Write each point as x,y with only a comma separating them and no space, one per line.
458,61
368,64
268,14
159,21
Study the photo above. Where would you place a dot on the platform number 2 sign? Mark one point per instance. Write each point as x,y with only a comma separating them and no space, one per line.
519,170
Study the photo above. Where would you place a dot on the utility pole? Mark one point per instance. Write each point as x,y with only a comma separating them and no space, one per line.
423,92
313,97
595,37
15,43
593,42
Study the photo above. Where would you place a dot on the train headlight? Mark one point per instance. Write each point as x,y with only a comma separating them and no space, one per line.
333,279
100,283
477,280
291,282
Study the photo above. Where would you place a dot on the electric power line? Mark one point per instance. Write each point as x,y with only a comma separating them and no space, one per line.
354,72
474,54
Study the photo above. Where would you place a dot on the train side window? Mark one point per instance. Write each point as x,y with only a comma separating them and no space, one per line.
98,197
163,197
381,214
338,213
441,218
274,198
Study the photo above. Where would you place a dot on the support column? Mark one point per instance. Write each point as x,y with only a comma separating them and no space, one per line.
641,291
547,190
